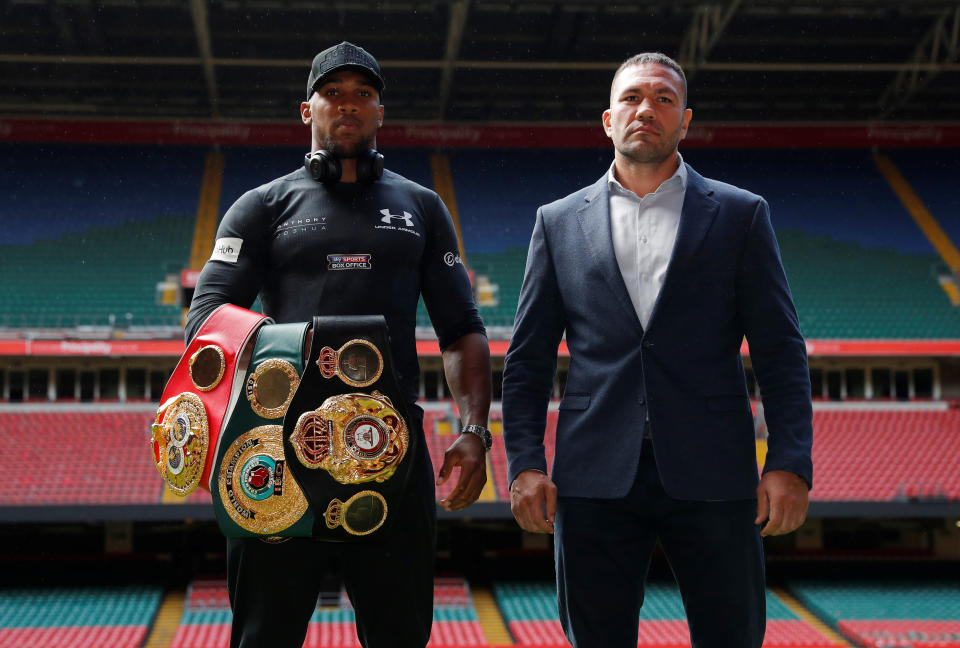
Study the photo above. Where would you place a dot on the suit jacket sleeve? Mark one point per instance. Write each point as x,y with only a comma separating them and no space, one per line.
531,360
777,349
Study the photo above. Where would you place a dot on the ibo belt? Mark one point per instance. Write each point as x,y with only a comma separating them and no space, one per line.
345,435
198,397
255,495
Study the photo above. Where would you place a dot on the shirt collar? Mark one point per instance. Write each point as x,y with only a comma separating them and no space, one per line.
676,182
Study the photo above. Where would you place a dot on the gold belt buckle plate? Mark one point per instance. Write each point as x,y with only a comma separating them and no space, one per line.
181,434
358,363
356,438
258,492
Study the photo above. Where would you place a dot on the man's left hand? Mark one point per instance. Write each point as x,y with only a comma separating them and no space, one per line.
468,453
782,501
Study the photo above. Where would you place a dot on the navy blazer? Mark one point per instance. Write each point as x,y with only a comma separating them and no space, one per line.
725,280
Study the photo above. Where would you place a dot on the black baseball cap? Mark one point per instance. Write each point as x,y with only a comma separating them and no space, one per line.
344,56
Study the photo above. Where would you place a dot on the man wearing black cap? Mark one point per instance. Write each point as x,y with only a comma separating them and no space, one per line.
343,236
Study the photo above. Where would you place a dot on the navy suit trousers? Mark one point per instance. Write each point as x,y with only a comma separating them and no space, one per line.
603,549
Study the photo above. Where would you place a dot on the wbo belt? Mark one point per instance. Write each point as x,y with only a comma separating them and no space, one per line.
255,494
198,397
346,433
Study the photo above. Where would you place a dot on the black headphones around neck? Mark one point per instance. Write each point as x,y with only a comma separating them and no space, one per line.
323,166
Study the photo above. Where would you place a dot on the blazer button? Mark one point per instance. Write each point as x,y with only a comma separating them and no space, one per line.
647,344
642,400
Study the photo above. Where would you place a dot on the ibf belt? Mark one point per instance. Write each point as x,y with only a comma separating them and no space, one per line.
346,434
254,494
198,396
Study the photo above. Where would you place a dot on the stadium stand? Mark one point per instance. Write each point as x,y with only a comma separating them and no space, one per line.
53,617
78,457
862,455
105,277
91,251
886,455
838,219
496,224
886,614
498,454
530,610
858,265
206,618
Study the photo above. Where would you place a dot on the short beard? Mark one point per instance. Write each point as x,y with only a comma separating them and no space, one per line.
651,156
342,151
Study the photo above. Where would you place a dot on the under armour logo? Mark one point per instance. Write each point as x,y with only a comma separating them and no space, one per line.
407,217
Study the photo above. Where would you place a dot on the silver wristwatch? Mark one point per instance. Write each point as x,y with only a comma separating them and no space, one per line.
481,432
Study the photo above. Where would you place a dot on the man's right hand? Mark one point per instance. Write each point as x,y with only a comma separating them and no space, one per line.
533,501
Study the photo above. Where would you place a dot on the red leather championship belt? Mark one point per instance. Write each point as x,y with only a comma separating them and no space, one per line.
199,395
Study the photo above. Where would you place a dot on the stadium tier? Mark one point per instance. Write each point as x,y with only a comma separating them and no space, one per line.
875,455
859,266
66,458
886,455
530,610
498,454
206,619
55,617
887,614
93,251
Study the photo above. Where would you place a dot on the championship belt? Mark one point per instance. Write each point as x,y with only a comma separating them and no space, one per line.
254,495
346,434
198,397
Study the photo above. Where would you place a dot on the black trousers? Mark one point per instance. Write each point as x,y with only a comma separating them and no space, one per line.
603,549
273,588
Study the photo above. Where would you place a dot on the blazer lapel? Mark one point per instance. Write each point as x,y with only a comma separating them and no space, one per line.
696,217
594,219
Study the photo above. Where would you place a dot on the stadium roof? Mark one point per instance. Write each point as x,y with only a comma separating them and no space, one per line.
463,61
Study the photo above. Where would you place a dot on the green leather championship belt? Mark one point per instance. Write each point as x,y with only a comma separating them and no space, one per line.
346,433
254,493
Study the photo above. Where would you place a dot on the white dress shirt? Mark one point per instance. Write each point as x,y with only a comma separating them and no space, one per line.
644,232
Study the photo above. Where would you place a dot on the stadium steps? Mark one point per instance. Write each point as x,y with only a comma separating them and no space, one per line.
208,208
488,614
165,624
443,185
878,614
798,609
915,206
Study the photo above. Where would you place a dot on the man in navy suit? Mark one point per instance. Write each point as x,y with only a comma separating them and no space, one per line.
656,274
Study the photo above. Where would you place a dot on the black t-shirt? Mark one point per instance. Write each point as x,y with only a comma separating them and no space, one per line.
342,249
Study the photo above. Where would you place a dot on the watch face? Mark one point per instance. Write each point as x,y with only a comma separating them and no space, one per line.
481,432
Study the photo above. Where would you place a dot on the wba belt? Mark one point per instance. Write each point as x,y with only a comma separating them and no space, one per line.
346,434
255,495
198,397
